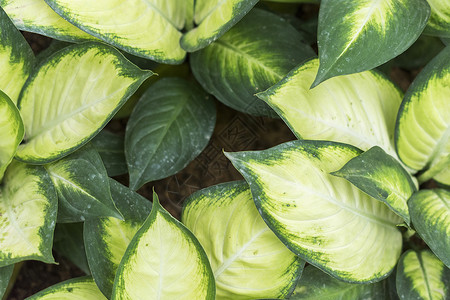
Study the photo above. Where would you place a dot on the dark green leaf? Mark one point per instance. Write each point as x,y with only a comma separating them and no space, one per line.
110,146
5,276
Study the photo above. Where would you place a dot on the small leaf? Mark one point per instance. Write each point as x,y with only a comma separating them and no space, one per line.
107,239
439,22
5,275
83,187
382,177
322,218
71,97
421,275
248,260
110,146
164,260
169,127
255,54
28,207
82,288
214,18
351,32
430,215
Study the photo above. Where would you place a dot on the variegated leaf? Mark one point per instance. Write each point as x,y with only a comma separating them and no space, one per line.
439,22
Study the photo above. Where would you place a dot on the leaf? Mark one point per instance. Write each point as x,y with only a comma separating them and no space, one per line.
106,239
382,177
110,146
28,207
255,54
83,187
247,259
11,131
5,275
351,32
214,18
169,127
322,218
422,133
430,214
420,275
81,288
358,109
439,22
16,57
146,28
164,260
71,97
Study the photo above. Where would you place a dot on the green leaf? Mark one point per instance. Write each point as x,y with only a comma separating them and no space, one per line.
144,28
355,36
439,22
71,97
430,214
248,260
28,206
82,288
358,109
110,146
106,239
422,133
421,275
5,275
164,260
11,131
171,124
83,187
382,177
214,18
255,54
16,58
322,218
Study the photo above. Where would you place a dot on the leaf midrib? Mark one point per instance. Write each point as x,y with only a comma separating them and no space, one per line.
160,12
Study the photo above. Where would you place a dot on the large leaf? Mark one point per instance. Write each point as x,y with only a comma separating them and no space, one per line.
422,276
255,54
422,133
164,261
439,22
5,275
106,239
248,260
322,218
16,58
358,109
214,18
71,97
28,206
83,187
430,214
110,146
146,28
171,124
355,36
381,176
81,288
11,131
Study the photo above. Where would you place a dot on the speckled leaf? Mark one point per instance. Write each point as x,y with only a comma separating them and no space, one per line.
439,22
71,97
422,133
107,239
358,109
83,187
110,146
381,176
164,260
248,260
5,276
28,206
214,18
11,132
171,124
351,32
322,218
81,288
146,28
255,54
422,276
16,58
430,214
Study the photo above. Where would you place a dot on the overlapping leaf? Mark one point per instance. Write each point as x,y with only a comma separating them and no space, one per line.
322,218
439,22
5,275
110,146
248,260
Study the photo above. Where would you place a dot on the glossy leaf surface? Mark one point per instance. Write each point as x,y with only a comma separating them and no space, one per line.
110,146
439,22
